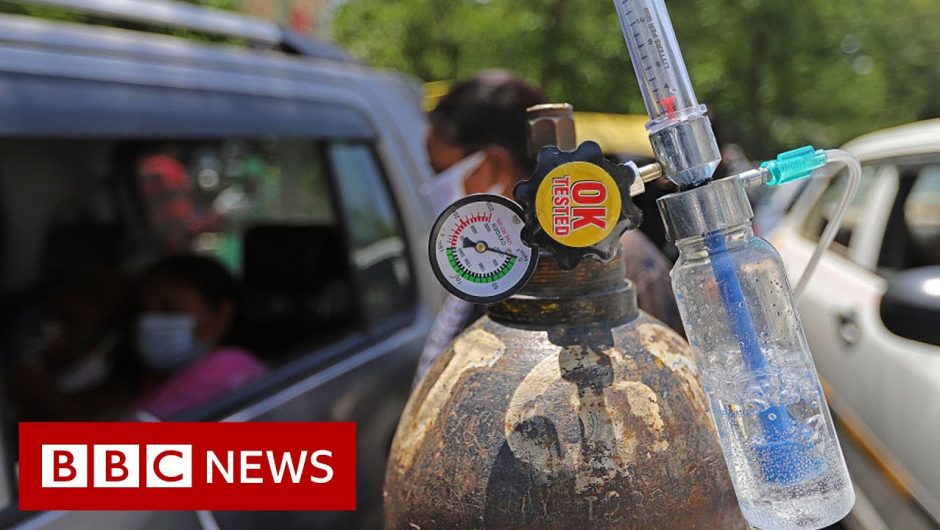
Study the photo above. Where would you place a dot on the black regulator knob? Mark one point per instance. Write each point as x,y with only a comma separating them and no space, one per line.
577,204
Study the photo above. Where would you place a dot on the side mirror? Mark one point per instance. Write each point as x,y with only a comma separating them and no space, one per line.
910,306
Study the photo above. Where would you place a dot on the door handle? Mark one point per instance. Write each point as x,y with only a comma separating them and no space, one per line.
850,332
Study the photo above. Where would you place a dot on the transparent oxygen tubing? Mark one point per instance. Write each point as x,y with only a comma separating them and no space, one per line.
835,156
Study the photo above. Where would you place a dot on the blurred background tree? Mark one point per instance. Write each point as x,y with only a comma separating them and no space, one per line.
774,73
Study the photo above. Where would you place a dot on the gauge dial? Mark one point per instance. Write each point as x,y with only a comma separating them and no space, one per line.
476,249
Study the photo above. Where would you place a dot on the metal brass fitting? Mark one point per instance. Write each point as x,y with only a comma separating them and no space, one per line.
551,124
645,174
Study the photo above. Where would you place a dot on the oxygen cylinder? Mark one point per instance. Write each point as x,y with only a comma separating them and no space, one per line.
563,407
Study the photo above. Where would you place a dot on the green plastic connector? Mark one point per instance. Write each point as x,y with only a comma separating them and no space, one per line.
794,165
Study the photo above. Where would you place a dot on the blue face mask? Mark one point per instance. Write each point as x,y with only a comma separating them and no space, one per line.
166,342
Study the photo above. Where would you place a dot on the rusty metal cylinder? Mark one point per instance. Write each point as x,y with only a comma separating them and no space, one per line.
565,407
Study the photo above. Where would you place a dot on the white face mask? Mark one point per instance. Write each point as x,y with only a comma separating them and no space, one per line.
91,370
447,186
166,342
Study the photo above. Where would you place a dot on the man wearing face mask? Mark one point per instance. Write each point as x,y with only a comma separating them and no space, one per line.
188,305
477,143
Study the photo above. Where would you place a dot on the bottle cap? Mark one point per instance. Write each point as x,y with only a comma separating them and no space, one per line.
717,205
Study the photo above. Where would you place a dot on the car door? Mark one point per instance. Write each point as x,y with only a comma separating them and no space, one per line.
887,383
840,304
907,386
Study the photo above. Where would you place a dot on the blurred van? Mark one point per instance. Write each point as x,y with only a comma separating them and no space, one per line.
280,157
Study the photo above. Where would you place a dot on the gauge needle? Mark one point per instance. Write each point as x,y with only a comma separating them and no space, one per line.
482,247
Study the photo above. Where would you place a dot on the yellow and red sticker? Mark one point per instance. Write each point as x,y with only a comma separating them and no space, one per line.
578,204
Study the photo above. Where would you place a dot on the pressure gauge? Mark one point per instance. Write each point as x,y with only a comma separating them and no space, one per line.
476,249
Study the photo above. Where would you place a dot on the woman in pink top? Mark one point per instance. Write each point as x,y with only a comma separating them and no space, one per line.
188,305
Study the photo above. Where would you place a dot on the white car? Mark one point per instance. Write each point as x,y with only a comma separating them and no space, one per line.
872,311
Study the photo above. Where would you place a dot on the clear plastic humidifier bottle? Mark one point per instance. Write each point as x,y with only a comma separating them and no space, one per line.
773,422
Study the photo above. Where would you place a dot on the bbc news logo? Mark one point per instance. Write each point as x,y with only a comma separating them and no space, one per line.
187,466
117,466
170,466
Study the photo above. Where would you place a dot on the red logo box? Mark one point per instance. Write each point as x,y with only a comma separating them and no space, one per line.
187,466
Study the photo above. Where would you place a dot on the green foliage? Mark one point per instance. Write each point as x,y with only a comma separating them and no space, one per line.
50,13
228,5
774,73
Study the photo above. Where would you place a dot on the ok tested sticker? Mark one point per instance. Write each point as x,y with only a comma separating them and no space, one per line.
578,204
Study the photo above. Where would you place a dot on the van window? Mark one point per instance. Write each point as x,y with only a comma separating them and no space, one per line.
265,209
84,223
203,196
379,250
828,201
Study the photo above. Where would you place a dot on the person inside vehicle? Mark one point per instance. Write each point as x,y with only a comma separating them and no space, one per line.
188,307
170,199
66,368
477,142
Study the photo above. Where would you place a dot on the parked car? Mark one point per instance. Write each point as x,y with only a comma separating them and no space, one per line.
301,169
872,311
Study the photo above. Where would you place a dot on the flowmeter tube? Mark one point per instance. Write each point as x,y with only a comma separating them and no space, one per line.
680,132
657,61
